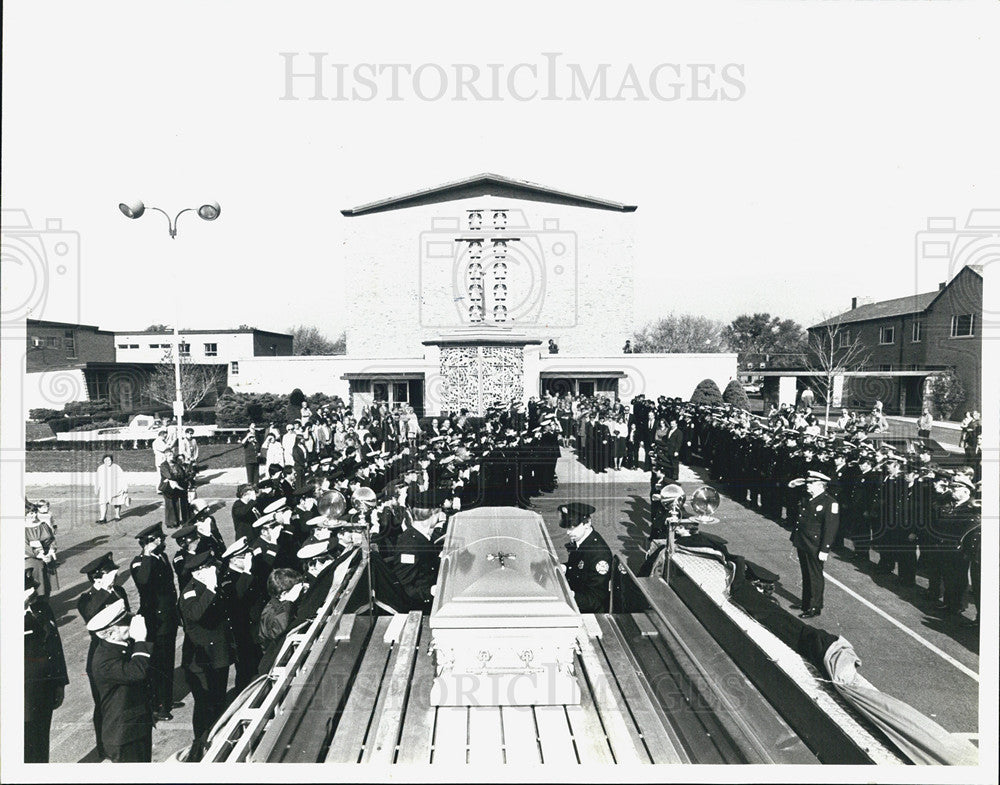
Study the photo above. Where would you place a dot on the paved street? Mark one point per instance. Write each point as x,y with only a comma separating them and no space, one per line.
918,658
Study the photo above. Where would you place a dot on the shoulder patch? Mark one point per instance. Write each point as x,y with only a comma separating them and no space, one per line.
835,508
407,558
191,593
602,567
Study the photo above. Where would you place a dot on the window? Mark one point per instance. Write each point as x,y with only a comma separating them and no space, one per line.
123,346
380,392
886,335
587,389
185,349
211,349
234,368
133,346
69,343
963,326
37,342
918,331
845,338
399,391
475,219
885,368
52,342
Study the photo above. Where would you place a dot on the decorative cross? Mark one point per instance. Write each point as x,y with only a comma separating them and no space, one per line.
501,557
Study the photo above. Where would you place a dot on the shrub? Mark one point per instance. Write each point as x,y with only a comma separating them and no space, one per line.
947,392
43,415
707,392
735,395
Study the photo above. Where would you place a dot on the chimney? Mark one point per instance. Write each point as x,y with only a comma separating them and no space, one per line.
854,303
941,286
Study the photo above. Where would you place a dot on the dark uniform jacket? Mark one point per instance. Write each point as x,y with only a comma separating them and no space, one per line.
208,634
44,664
415,563
157,593
818,523
90,602
243,517
121,676
588,573
319,588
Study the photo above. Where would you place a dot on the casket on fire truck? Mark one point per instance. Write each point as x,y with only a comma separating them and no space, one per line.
503,622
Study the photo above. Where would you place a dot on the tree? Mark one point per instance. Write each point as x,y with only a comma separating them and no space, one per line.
197,381
156,328
830,357
707,392
760,337
735,395
308,340
680,333
947,392
235,409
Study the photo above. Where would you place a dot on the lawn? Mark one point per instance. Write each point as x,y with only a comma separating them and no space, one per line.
213,456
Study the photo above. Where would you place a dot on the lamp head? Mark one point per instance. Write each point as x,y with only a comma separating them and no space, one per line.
132,209
210,211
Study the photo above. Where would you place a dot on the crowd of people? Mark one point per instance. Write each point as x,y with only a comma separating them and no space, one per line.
326,487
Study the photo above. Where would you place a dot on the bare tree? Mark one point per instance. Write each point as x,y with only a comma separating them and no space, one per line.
831,352
197,381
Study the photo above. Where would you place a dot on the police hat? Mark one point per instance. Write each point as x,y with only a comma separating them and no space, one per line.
199,560
107,616
243,488
185,533
150,533
574,513
99,566
316,549
277,504
240,546
814,476
266,520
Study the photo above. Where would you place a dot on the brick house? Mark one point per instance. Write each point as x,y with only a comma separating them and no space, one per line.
908,338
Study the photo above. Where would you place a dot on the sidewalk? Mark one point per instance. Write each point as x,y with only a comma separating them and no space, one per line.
232,476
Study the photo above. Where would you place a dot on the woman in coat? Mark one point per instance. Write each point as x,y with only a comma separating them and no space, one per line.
111,488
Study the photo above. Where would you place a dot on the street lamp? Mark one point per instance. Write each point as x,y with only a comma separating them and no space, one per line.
207,212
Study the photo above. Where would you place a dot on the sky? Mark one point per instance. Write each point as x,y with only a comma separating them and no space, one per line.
852,124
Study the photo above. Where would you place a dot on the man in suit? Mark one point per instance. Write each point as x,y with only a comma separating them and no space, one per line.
589,566
813,536
209,647
158,607
45,676
668,449
101,572
121,672
173,486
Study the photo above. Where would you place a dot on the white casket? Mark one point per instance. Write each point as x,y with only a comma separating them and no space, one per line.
504,622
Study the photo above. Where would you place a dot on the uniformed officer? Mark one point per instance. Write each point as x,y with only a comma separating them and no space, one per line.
813,536
121,672
208,649
325,563
45,676
101,572
158,606
188,545
245,511
243,597
589,565
417,556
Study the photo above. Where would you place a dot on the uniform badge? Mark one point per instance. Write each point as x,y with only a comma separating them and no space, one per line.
191,593
407,558
580,566
819,508
602,567
835,508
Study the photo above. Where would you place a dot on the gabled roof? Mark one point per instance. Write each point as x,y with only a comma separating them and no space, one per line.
886,309
900,306
486,184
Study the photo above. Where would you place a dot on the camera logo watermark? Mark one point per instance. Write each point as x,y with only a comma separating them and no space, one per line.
41,270
314,76
490,267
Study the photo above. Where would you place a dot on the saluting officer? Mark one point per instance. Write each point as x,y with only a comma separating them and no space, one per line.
121,672
101,572
812,537
417,556
189,543
245,511
589,564
45,676
243,597
158,606
208,649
